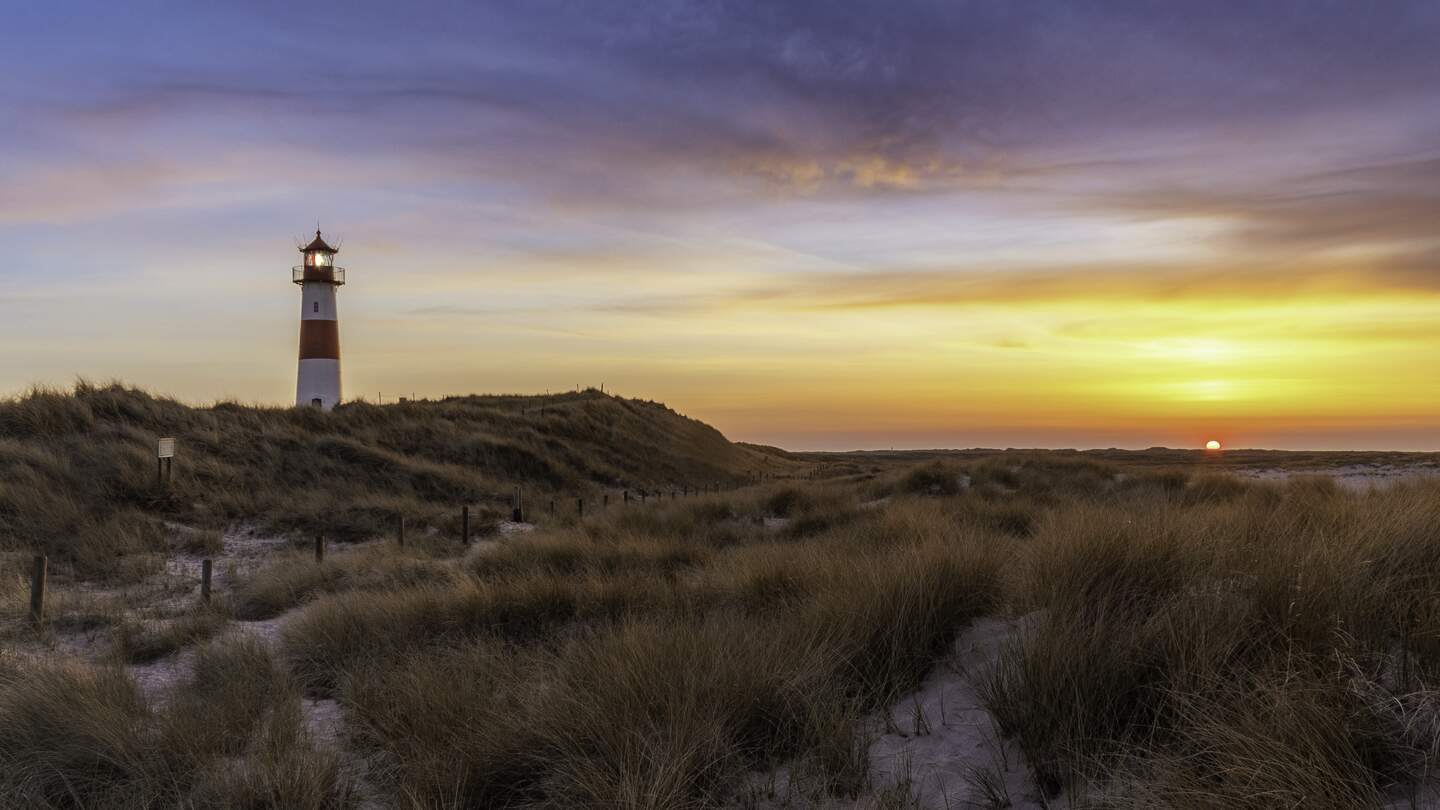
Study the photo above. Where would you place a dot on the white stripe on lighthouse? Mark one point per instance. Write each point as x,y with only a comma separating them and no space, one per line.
317,301
318,380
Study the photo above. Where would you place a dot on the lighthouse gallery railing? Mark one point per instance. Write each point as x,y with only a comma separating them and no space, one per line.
330,275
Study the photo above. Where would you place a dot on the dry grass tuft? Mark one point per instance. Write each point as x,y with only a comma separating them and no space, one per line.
1226,641
138,642
79,736
295,578
612,669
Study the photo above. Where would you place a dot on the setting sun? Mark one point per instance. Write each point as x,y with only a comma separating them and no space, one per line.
1212,445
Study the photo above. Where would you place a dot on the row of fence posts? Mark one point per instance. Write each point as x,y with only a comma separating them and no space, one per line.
517,504
40,567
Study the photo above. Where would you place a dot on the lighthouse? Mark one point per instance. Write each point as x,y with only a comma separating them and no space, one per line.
318,382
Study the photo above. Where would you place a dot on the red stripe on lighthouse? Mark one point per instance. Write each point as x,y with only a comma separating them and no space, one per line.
319,340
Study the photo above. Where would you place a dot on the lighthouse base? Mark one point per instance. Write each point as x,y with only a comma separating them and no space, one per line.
318,384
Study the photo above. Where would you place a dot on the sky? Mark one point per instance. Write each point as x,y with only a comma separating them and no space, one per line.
815,224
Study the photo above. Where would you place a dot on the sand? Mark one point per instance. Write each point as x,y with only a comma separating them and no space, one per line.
505,528
1353,476
938,744
175,591
942,740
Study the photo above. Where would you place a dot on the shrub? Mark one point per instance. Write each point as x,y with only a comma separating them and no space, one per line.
72,737
296,578
936,478
141,643
79,736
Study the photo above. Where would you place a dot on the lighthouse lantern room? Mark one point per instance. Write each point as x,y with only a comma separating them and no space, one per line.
318,381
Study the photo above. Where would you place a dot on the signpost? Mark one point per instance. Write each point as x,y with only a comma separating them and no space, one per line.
38,574
164,461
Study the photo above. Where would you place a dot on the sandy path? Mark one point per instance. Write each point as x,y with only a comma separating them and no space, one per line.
245,550
174,592
1353,476
1426,797
242,549
945,746
937,745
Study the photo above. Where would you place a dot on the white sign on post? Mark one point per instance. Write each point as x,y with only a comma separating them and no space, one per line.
166,449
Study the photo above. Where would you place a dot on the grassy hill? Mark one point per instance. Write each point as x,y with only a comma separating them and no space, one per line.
1160,635
79,477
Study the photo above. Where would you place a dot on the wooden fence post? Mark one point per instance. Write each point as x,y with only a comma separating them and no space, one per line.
400,530
465,525
580,507
517,512
205,568
319,548
626,496
552,506
605,501
37,589
1405,649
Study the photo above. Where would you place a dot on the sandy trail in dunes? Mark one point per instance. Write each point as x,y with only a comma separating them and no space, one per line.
937,746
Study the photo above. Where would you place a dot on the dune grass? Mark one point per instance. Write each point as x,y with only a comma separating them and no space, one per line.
292,578
80,477
1187,639
1250,645
637,678
143,642
81,736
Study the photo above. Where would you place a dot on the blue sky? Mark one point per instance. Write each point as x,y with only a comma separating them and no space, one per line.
815,224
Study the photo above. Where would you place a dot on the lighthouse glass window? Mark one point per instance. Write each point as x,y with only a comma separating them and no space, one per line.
318,259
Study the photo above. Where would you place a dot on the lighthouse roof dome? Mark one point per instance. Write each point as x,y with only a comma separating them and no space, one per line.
318,244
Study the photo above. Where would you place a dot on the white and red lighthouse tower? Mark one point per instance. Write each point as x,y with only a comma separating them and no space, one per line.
318,383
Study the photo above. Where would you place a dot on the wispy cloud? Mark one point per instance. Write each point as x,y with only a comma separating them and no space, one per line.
596,102
1075,284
